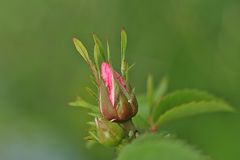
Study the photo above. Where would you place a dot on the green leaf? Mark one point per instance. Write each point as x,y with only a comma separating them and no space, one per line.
140,120
178,98
140,123
123,51
84,104
150,90
153,147
193,108
143,106
161,90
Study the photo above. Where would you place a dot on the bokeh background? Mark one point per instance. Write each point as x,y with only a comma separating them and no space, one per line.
195,42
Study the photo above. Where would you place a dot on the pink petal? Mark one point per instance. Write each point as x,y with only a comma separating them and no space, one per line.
107,76
120,79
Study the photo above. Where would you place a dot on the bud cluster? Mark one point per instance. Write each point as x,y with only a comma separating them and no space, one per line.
116,100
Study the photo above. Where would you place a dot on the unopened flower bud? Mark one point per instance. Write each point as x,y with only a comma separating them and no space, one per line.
109,133
117,101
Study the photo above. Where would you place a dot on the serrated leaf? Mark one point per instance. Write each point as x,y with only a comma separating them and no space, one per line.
180,97
140,120
151,147
161,90
193,108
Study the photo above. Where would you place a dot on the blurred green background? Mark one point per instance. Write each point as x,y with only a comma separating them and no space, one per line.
195,42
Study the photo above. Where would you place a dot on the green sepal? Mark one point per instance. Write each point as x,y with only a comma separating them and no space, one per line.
123,52
99,43
84,104
108,53
84,53
107,109
96,55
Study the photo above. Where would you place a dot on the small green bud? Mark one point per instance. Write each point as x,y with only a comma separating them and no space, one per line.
109,133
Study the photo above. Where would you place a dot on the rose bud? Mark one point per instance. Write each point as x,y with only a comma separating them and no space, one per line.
117,101
109,133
